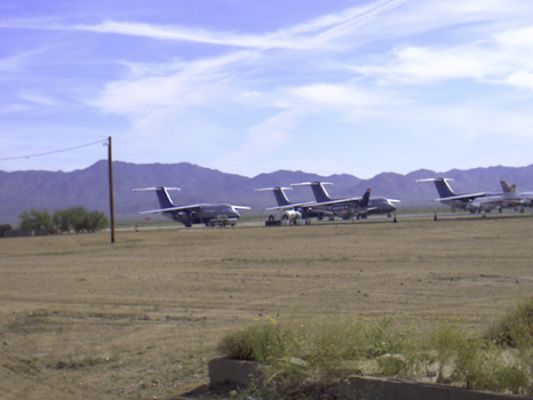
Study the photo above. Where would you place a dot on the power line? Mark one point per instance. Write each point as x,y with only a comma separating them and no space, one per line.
53,151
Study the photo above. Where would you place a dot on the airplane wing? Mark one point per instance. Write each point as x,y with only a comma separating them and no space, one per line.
469,196
497,201
241,207
293,205
525,195
180,208
367,210
340,201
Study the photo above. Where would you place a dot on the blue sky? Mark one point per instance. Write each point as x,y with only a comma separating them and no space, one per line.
255,86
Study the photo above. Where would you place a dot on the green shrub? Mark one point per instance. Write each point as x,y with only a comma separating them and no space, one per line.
303,352
493,369
446,340
262,341
384,338
515,329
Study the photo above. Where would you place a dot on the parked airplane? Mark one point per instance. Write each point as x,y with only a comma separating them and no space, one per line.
354,207
287,212
516,199
209,214
480,202
524,198
454,200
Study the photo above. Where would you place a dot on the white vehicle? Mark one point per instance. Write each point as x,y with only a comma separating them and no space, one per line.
283,217
287,213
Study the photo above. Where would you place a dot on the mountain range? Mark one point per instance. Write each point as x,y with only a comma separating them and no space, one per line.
23,190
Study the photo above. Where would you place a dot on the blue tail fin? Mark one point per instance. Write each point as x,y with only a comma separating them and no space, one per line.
281,197
279,194
319,191
443,187
365,199
164,198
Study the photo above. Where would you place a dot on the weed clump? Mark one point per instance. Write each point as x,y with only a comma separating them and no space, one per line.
300,353
516,329
261,341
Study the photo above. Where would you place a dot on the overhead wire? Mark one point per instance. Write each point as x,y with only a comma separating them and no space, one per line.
46,153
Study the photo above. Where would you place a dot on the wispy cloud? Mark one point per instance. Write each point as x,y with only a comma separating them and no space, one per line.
185,84
504,58
39,99
316,33
180,33
16,62
263,140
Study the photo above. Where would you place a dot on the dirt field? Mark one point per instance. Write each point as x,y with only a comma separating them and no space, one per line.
81,319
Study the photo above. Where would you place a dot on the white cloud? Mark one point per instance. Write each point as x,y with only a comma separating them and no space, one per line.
504,58
262,143
424,64
16,62
191,84
339,96
39,99
521,79
180,33
521,39
313,34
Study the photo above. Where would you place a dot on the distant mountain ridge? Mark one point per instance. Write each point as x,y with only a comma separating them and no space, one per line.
22,190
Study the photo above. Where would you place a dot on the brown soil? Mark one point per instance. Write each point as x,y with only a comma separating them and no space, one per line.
83,319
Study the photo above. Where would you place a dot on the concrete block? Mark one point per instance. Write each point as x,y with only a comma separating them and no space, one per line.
237,372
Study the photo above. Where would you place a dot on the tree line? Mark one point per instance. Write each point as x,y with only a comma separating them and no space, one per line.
73,219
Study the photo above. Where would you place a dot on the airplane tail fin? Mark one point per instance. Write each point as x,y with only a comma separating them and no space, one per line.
279,194
365,199
319,191
506,188
162,194
441,184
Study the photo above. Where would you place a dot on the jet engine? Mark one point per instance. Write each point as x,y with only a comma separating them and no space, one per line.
291,216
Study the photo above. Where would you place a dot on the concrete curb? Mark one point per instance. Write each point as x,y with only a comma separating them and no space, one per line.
367,388
244,373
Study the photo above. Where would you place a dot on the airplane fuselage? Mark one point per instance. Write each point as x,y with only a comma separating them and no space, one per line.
352,208
205,214
380,205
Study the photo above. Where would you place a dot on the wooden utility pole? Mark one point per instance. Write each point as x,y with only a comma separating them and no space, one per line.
111,199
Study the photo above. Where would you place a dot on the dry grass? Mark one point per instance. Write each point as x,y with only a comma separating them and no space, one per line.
81,319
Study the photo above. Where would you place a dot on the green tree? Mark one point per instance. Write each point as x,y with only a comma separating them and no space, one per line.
36,220
77,218
4,228
61,221
96,221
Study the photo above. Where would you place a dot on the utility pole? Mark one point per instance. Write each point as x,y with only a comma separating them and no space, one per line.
111,199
